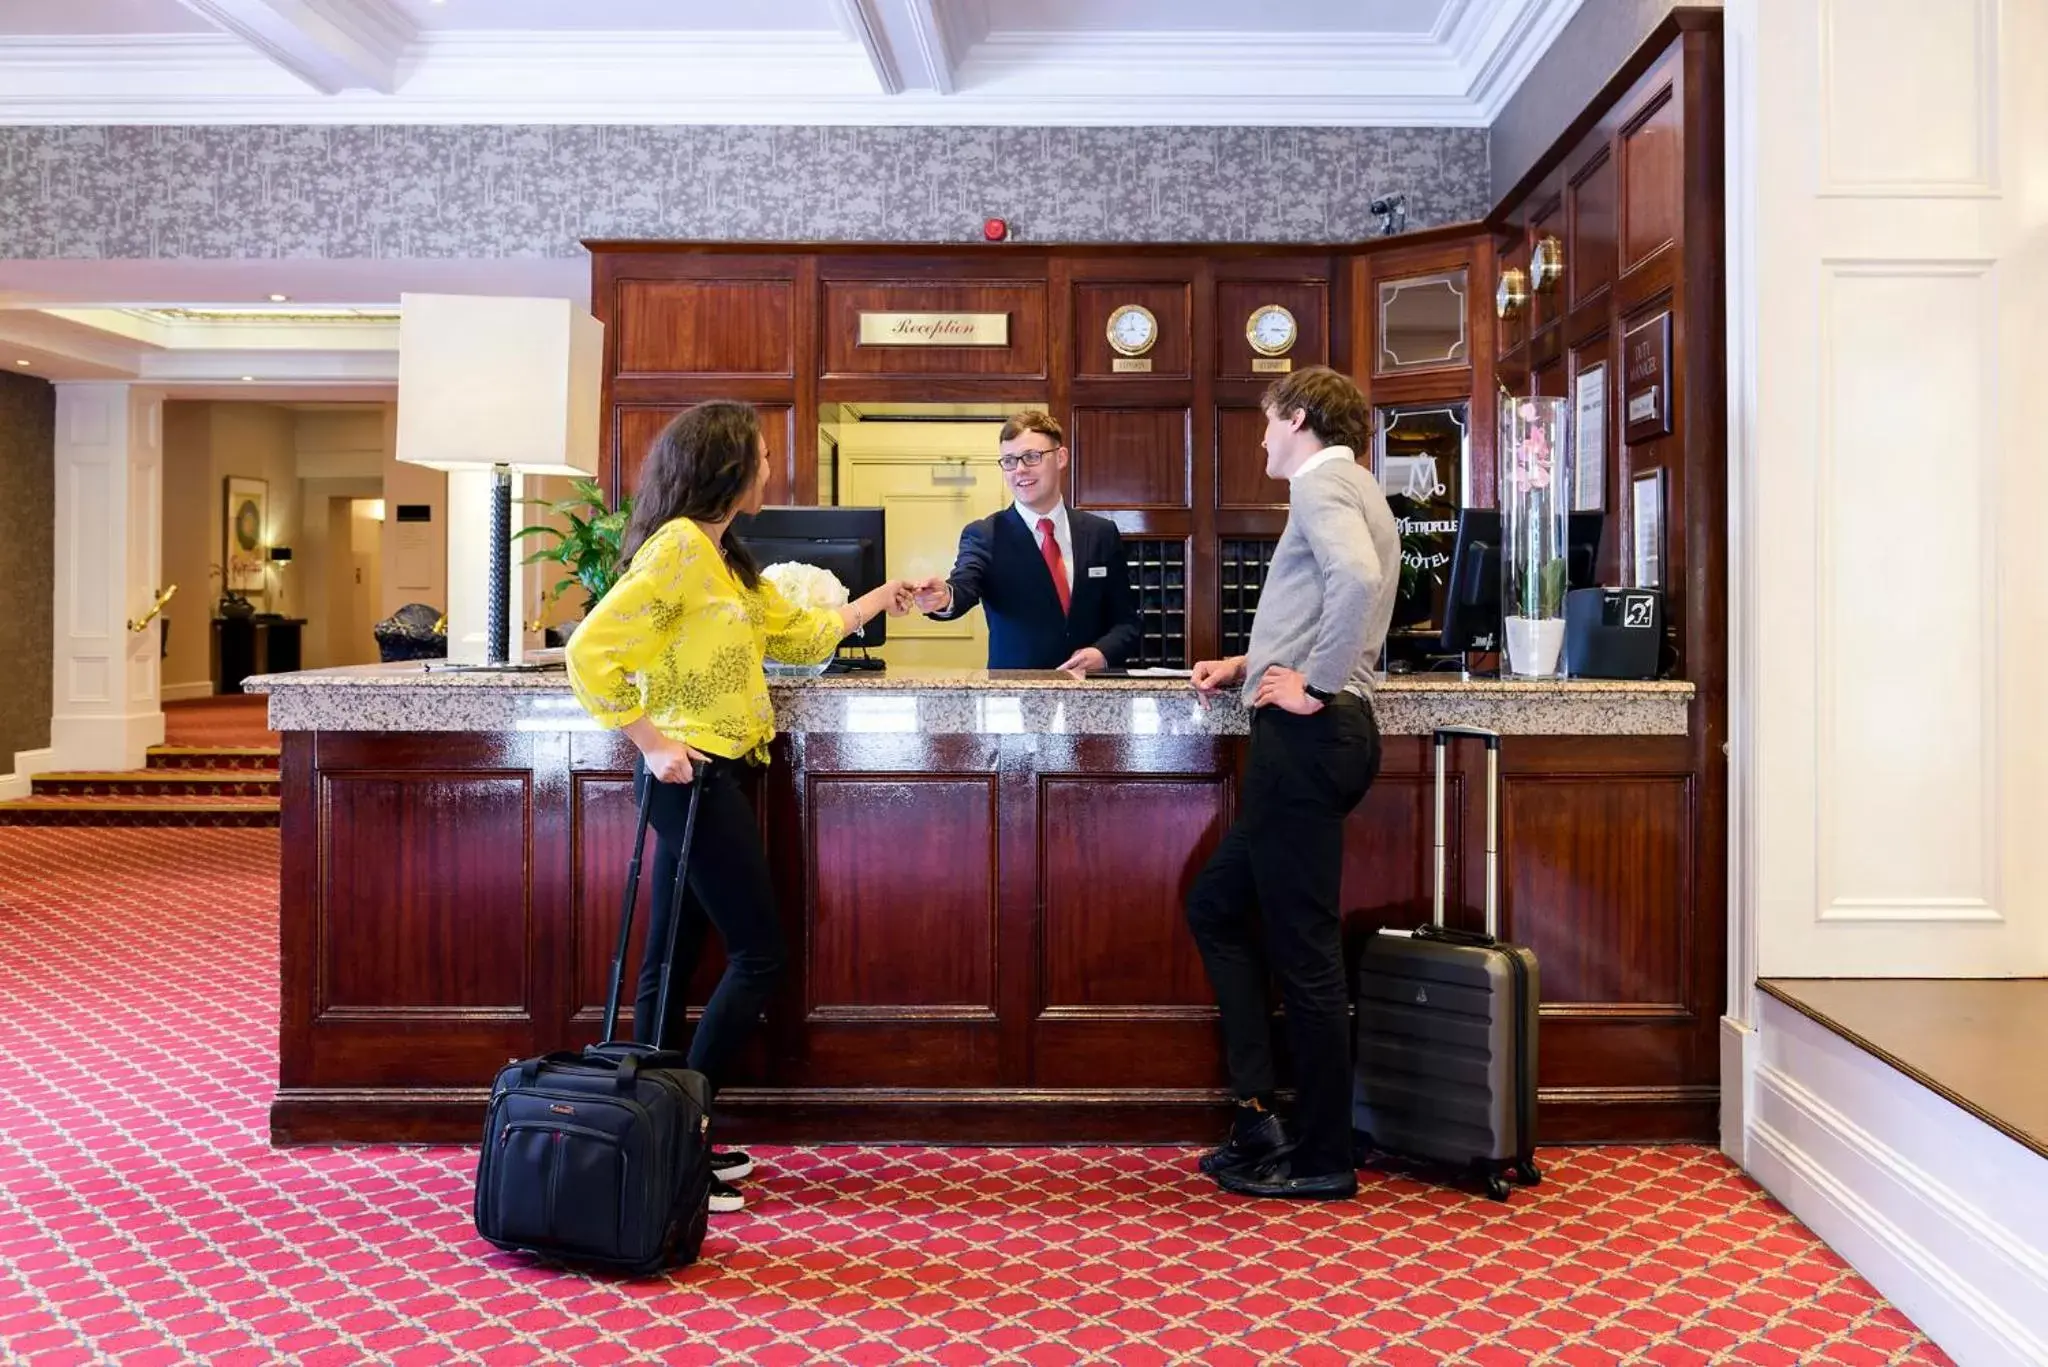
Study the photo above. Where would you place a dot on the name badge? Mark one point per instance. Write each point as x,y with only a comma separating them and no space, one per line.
1098,571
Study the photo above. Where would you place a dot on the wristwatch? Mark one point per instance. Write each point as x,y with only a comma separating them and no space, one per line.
1318,694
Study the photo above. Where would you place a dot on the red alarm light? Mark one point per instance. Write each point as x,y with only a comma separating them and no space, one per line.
994,229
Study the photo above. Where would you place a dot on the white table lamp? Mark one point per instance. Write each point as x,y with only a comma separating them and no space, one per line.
490,387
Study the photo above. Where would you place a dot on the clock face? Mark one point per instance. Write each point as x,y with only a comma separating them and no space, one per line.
1270,330
1132,330
1511,293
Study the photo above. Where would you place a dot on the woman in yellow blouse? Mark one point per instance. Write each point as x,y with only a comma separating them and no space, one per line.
672,656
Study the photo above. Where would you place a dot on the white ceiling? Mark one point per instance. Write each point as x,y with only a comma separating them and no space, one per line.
1309,62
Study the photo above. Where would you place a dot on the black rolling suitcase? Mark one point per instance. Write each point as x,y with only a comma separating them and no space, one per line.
1445,1066
603,1157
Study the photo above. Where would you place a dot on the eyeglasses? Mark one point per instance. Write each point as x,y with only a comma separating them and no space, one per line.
1026,458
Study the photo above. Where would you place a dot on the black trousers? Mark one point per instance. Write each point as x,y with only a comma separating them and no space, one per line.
1266,906
728,889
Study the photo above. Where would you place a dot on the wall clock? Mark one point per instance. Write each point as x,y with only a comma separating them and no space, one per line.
1133,330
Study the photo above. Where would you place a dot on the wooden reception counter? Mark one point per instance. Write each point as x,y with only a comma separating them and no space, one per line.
981,879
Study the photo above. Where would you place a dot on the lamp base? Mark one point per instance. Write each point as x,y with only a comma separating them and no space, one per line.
498,617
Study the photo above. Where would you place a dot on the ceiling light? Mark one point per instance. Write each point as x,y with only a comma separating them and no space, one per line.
248,379
21,363
280,298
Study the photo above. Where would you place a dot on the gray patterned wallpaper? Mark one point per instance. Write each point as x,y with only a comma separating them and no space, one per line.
28,559
451,191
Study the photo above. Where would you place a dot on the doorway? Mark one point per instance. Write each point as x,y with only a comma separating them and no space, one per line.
355,586
932,469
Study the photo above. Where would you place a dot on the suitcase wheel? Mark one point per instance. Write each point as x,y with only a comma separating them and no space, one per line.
1527,1174
1496,1186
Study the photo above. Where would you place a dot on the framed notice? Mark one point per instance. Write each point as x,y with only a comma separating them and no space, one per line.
1646,379
1646,529
242,559
1589,470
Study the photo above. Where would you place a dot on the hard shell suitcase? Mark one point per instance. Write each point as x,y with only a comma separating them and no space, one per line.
603,1157
1445,1063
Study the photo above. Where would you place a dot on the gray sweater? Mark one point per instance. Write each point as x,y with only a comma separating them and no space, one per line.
1329,594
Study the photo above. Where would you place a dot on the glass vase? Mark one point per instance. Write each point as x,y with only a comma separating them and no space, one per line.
1535,509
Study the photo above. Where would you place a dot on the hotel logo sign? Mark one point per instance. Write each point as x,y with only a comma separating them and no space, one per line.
935,329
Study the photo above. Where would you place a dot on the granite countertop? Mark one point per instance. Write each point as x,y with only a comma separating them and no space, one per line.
413,697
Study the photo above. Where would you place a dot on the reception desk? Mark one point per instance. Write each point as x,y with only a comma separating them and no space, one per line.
981,879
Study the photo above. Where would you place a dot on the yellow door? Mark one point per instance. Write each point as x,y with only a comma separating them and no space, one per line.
931,480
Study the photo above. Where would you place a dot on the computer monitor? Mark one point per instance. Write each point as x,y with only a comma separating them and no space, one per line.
1472,597
847,541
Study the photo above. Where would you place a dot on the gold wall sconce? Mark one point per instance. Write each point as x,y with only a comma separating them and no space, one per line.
1511,296
1546,263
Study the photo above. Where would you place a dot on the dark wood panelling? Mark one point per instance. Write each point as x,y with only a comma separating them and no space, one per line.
1596,867
845,301
1115,931
1389,848
705,327
442,930
902,895
1094,301
1131,457
1652,184
1241,478
1592,244
1237,300
635,426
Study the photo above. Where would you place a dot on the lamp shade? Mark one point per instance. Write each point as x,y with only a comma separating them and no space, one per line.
487,380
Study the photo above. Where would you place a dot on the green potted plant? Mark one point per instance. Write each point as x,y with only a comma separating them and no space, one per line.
587,549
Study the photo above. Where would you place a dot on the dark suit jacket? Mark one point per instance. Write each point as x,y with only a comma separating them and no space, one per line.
1000,567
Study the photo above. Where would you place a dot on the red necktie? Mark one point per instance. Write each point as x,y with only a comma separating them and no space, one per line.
1049,547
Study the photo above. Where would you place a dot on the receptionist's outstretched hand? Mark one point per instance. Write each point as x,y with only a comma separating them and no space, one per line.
931,595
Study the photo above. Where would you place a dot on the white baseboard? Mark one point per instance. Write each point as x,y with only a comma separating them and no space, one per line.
27,764
1944,1215
185,692
1738,1068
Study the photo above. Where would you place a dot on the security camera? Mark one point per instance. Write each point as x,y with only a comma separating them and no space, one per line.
1393,213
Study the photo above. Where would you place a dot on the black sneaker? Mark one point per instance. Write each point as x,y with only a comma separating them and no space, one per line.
730,1164
725,1197
1262,1139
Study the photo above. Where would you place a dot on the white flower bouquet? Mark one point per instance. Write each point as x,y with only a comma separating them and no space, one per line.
809,587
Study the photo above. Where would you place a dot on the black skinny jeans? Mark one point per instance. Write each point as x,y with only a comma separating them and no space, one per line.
1267,902
729,889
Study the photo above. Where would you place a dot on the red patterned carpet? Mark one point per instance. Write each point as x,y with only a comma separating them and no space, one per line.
232,719
144,1219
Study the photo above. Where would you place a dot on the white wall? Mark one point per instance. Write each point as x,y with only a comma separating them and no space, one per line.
1888,215
415,562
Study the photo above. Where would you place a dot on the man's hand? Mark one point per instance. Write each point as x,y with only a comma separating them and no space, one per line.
1085,661
931,595
1213,676
1286,690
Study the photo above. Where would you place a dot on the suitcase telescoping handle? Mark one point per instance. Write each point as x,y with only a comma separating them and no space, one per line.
1443,738
675,919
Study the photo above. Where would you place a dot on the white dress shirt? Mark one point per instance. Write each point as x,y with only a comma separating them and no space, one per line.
1062,533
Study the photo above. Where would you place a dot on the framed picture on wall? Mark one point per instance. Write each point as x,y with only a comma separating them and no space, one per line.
1589,470
247,515
1646,533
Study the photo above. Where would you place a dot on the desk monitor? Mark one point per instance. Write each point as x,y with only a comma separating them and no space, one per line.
1472,597
847,541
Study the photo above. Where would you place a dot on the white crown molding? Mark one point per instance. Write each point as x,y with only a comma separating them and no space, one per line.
864,26
271,366
331,45
1002,79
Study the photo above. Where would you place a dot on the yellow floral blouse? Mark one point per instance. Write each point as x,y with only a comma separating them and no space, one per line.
680,640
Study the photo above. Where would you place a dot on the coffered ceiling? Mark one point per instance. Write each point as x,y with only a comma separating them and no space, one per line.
1005,62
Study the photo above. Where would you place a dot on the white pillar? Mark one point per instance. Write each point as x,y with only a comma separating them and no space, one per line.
109,546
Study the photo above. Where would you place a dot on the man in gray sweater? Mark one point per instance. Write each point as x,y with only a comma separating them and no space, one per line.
1267,901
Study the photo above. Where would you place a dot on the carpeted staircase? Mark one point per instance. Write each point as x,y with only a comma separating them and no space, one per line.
218,768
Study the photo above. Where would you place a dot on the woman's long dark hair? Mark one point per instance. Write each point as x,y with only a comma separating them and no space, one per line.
700,467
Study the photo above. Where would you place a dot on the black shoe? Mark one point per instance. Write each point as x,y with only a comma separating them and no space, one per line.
1275,1177
730,1165
725,1198
1262,1139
